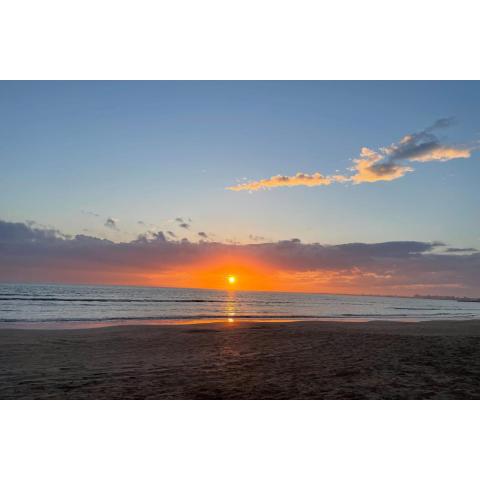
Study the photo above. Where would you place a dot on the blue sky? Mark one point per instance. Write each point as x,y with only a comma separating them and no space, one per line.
154,151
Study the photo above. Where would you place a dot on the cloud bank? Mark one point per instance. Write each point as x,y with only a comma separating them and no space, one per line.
386,164
29,253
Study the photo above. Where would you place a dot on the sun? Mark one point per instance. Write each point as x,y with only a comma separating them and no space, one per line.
231,279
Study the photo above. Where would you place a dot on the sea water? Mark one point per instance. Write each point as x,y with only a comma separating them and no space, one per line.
67,306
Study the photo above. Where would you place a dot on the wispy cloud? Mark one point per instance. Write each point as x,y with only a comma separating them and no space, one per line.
111,223
184,223
386,164
88,212
308,180
256,238
425,146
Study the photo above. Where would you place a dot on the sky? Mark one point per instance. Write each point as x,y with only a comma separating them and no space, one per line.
225,175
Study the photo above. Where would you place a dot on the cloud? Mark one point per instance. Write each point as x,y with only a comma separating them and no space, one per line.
184,223
429,152
461,250
202,235
256,238
150,226
387,164
112,223
370,168
28,253
441,123
88,212
150,237
171,234
19,233
183,220
425,146
304,179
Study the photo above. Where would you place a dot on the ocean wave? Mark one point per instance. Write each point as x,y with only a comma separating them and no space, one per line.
227,317
132,300
419,308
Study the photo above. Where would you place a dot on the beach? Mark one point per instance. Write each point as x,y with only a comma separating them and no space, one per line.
245,360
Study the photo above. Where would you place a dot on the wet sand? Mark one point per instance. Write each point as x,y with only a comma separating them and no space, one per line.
316,360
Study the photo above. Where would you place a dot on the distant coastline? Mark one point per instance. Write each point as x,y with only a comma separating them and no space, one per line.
447,297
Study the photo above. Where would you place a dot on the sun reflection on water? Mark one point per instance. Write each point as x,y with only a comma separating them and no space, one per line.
231,306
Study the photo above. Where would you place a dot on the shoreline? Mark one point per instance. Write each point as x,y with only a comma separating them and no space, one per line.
99,324
295,360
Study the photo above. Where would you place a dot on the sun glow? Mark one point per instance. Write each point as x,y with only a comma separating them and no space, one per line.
231,273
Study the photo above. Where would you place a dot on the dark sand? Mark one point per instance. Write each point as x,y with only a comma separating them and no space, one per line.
245,361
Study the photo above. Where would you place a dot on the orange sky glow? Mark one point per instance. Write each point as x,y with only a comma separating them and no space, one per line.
250,274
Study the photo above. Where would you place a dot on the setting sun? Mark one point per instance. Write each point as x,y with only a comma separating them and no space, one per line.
232,279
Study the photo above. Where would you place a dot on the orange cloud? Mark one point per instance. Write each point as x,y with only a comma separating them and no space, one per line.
307,180
442,154
370,169
387,164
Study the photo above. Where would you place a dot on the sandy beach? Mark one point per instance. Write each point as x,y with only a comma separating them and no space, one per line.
316,360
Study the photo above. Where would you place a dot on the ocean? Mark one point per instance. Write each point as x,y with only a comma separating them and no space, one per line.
83,306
